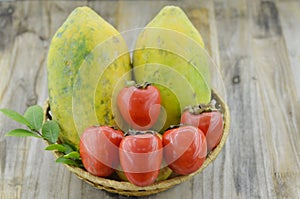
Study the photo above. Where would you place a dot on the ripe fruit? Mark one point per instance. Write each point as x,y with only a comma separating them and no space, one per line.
184,149
82,74
141,158
210,123
164,172
169,53
99,150
139,105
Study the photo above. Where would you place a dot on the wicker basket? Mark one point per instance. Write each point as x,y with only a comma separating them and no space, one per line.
128,189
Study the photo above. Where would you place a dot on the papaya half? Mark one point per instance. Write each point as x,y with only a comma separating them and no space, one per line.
88,61
170,54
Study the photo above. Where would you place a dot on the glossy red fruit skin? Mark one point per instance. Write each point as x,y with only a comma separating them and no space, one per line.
99,150
185,149
210,123
140,107
141,158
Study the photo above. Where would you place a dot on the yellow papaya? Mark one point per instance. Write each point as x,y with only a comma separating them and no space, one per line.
88,59
170,54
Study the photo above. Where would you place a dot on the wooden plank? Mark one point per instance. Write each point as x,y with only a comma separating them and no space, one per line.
250,154
240,177
21,93
289,16
17,91
24,172
278,121
274,108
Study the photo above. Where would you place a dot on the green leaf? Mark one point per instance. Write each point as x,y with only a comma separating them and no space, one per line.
35,116
66,161
16,116
72,155
69,148
79,163
22,133
57,147
50,131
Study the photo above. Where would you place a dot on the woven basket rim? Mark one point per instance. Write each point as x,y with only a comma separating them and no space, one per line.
127,188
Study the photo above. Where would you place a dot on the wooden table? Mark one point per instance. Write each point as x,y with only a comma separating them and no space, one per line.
255,43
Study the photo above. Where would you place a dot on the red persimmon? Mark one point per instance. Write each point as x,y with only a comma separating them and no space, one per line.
99,150
210,123
141,158
184,149
139,106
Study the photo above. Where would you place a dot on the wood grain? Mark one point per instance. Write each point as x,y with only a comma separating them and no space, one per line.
289,18
256,46
276,93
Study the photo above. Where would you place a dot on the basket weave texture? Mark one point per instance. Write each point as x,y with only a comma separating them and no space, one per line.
128,189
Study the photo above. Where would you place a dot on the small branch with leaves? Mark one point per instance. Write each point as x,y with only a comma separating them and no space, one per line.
49,130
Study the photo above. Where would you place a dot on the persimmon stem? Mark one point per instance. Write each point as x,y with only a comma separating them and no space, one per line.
138,132
201,108
143,85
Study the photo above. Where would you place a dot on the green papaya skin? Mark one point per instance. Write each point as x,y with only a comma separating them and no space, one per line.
183,78
88,59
